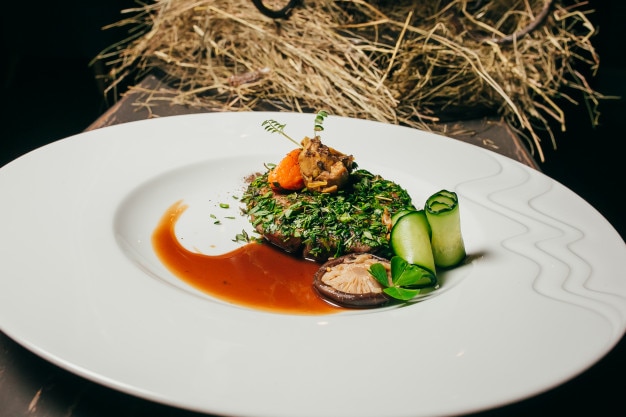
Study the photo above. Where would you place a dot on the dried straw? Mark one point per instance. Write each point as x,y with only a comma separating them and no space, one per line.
403,62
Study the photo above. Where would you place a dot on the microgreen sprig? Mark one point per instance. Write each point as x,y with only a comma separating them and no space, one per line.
319,121
273,126
407,280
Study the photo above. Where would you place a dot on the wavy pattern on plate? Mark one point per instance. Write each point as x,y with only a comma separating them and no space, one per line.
563,272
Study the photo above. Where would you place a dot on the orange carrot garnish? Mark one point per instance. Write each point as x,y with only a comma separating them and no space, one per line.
286,175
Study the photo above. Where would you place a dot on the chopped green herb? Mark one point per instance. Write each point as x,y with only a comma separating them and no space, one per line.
330,224
242,237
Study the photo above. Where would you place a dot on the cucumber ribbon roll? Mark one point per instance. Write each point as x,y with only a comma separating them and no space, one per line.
442,212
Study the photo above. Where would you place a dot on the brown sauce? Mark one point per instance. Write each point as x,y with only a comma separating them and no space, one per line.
255,275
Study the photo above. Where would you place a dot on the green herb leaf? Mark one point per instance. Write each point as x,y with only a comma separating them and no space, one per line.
414,276
406,279
401,293
398,265
242,237
379,272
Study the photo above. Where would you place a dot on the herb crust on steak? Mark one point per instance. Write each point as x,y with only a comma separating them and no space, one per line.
321,226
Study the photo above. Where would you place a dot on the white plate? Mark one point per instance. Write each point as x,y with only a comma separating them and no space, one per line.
543,299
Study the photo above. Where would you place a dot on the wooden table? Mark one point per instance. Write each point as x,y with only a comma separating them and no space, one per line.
31,386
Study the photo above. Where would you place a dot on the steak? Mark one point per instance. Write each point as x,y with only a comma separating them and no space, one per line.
323,226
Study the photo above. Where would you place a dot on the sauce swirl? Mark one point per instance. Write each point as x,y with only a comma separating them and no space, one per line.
256,275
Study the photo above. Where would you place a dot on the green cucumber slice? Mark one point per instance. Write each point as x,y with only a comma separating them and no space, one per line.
442,212
398,214
410,240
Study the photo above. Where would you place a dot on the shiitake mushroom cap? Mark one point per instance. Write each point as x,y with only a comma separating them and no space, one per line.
348,299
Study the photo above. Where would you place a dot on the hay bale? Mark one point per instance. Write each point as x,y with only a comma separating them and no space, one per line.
402,62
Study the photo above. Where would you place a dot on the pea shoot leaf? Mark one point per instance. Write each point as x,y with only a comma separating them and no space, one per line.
406,279
404,274
379,272
401,293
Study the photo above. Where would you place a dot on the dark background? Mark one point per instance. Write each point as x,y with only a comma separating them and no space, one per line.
49,91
